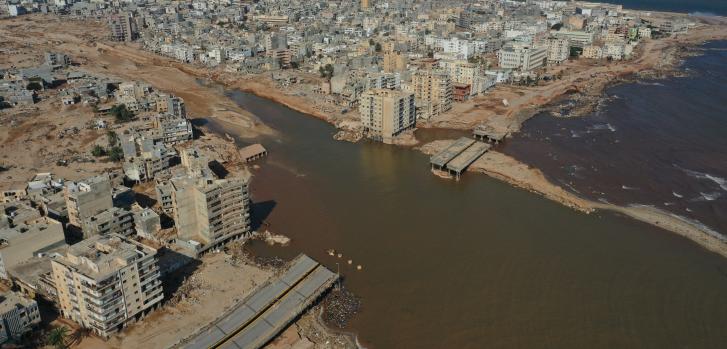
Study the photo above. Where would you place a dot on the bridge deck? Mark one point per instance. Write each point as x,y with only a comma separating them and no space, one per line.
467,157
446,155
265,313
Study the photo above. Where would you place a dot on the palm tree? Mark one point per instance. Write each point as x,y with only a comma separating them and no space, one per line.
57,337
79,335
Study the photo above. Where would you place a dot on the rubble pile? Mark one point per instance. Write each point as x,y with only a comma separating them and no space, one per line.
339,307
190,291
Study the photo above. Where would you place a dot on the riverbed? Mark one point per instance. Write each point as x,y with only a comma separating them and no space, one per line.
475,263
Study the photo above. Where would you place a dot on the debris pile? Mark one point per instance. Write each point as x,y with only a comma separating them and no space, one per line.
339,307
190,291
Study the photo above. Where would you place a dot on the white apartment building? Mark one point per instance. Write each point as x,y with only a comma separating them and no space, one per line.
522,57
558,50
575,37
104,282
386,113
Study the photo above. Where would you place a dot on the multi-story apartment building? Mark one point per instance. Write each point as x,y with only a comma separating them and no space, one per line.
106,281
592,52
175,106
558,50
394,62
171,129
18,315
211,211
115,220
523,57
575,37
386,113
144,158
123,28
87,198
433,92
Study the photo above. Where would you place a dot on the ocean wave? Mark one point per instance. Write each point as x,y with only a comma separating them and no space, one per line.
677,194
708,196
625,187
650,83
606,126
721,182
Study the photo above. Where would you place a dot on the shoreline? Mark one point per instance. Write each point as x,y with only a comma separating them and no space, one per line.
508,169
505,168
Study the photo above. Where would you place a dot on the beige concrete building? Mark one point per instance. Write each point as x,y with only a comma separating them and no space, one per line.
211,211
87,198
104,282
21,242
394,62
592,52
433,92
171,129
386,113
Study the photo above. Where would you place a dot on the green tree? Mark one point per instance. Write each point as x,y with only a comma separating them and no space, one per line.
98,151
112,137
57,337
121,113
116,154
326,71
575,51
378,47
34,86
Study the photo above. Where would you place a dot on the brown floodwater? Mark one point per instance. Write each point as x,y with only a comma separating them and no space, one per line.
476,263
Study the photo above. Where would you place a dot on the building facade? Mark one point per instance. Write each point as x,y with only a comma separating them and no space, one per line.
87,198
386,113
104,282
433,92
18,315
211,211
522,57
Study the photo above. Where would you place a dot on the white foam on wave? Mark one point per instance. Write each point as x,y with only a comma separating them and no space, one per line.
677,194
606,126
721,182
625,187
709,196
